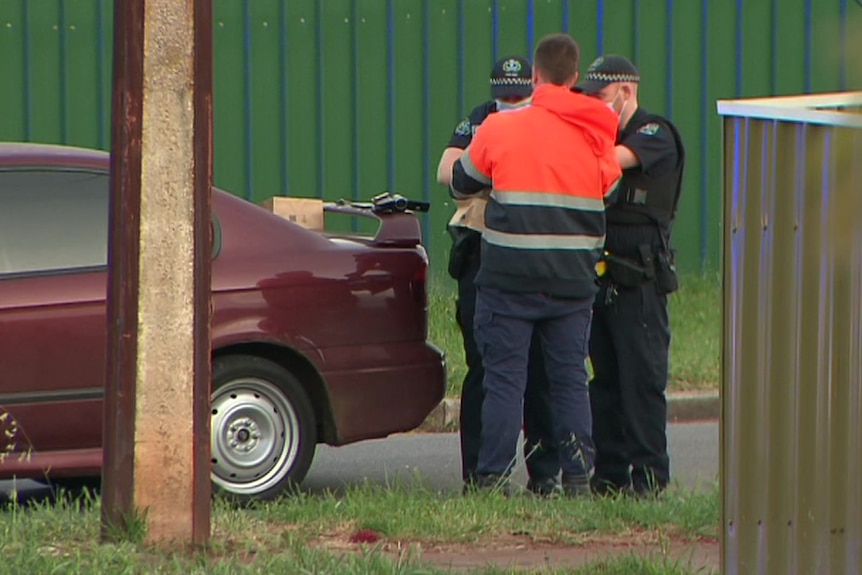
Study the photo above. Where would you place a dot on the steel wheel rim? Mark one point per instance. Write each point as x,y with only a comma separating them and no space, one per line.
255,436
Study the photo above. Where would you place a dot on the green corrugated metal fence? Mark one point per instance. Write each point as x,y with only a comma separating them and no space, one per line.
346,98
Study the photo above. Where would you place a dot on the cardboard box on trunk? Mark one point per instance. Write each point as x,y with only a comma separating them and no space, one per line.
307,212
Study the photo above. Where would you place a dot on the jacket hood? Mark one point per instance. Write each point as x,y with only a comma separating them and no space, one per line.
598,122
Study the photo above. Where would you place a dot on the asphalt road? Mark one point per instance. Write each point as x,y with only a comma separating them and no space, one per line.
432,460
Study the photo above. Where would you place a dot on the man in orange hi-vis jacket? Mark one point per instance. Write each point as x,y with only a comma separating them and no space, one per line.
551,167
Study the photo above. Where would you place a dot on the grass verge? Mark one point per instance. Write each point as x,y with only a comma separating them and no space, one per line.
369,529
695,314
407,511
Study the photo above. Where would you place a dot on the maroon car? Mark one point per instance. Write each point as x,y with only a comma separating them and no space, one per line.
316,337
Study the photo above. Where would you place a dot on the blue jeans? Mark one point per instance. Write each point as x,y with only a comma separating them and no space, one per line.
504,324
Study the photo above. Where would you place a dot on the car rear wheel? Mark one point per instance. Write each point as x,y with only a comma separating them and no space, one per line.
263,430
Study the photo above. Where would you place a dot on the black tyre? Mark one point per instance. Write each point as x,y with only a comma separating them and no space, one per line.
263,433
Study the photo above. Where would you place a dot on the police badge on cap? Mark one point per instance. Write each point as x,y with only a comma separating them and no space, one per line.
512,76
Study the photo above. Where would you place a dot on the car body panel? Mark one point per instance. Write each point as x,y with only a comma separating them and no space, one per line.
52,343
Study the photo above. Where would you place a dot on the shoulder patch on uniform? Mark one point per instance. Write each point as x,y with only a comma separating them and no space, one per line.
649,129
464,128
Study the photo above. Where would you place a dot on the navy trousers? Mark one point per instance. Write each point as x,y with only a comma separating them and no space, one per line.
540,448
505,323
629,351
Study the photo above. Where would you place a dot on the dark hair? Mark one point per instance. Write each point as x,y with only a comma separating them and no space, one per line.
557,57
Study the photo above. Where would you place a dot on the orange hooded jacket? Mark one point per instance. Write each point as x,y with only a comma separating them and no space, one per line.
550,167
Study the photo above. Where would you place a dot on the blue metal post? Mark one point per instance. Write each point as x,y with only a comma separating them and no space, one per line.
390,92
668,47
104,105
704,132
600,27
283,99
495,29
247,105
64,74
28,111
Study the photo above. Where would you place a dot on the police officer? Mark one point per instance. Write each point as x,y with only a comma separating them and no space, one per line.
511,88
630,336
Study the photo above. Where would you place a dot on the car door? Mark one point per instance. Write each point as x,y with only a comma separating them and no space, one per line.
53,281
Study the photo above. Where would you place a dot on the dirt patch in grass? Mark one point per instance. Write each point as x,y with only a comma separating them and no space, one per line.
522,551
698,555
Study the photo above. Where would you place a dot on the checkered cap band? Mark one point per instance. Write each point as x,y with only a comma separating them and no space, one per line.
511,82
612,78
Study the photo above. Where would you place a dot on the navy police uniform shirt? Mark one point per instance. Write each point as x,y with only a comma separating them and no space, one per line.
463,134
651,140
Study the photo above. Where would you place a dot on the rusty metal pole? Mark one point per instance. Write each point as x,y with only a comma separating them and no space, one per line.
156,462
122,304
203,246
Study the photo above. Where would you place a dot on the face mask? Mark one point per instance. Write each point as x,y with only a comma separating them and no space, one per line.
614,101
502,106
